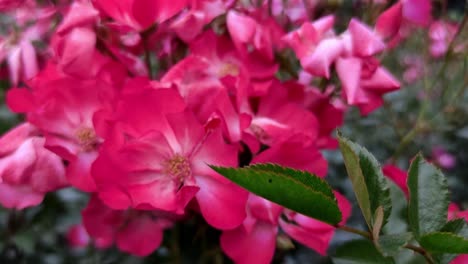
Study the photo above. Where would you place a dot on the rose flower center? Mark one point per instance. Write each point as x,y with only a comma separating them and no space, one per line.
86,138
178,167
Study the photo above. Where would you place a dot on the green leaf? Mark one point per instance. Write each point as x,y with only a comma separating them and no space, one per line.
444,242
297,190
370,186
359,252
456,226
429,197
390,245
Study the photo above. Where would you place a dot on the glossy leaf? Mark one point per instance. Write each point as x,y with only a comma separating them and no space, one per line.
444,242
456,226
300,191
370,186
429,197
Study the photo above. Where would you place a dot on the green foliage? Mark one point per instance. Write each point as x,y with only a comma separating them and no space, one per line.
444,242
369,184
300,191
429,197
390,245
360,252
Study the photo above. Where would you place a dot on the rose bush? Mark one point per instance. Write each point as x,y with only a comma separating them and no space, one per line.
121,108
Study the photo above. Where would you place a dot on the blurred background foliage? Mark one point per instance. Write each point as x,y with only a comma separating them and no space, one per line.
427,112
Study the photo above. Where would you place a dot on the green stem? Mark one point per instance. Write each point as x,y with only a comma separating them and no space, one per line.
355,231
368,235
422,252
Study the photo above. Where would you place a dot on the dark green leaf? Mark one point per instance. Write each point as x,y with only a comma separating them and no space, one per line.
456,226
300,191
444,242
390,245
429,197
360,252
369,184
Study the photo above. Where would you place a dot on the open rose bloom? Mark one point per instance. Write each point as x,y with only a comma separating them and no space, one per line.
128,102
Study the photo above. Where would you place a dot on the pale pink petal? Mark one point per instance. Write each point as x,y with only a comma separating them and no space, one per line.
19,196
365,41
349,72
10,141
324,24
80,14
241,27
29,60
77,53
319,61
14,64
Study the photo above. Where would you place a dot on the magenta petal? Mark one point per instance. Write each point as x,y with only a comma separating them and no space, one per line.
141,236
417,11
20,100
144,11
398,176
460,259
77,52
162,195
381,82
221,204
294,154
115,198
256,246
317,236
168,8
79,172
263,210
389,22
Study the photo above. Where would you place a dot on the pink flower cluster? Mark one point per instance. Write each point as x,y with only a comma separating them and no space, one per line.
131,100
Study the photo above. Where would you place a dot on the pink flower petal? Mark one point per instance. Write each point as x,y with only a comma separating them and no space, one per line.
256,246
